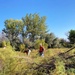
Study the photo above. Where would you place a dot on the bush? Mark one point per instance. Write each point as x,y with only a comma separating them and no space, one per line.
38,42
60,67
3,43
22,47
8,43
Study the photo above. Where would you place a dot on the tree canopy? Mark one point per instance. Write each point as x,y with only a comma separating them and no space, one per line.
13,29
35,25
29,27
71,36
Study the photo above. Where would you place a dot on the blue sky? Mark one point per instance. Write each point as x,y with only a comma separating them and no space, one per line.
60,14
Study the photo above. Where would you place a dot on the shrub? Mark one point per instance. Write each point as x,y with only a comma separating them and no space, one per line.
22,47
71,71
3,43
38,42
7,61
8,43
60,68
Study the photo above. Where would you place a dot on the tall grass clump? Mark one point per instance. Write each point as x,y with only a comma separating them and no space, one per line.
6,60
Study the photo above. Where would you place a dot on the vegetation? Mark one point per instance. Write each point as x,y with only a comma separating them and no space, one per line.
29,29
38,42
17,63
22,47
30,32
71,36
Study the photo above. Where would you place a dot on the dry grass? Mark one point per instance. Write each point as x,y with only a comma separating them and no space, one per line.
25,62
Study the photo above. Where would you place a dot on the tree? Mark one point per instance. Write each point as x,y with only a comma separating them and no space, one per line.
71,36
13,29
56,43
49,39
30,27
35,26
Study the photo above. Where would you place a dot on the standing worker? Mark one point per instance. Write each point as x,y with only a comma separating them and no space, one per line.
41,50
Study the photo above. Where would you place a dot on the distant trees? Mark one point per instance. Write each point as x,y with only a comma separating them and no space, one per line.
52,41
49,39
56,43
71,36
30,30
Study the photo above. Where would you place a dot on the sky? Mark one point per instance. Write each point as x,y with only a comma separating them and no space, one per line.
60,14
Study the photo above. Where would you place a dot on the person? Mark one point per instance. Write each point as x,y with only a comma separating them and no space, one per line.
41,50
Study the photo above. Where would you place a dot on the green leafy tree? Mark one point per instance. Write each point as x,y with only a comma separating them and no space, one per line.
34,25
49,39
65,43
56,43
13,29
71,36
29,27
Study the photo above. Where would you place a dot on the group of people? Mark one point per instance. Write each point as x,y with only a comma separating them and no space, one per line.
41,51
